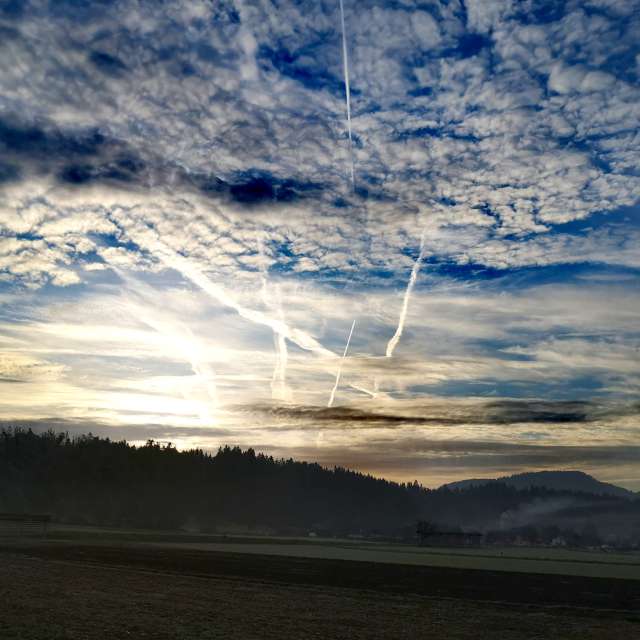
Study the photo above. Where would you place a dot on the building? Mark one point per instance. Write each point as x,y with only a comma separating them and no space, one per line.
17,525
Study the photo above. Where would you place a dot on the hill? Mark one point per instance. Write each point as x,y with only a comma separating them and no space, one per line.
576,481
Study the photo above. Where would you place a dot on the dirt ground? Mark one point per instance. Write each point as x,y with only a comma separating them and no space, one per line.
55,591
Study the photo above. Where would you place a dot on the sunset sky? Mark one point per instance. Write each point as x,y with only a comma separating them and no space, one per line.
187,232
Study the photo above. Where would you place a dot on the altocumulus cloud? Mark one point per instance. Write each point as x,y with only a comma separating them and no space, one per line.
179,235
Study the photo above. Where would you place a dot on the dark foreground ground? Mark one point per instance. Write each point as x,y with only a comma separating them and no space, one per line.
59,590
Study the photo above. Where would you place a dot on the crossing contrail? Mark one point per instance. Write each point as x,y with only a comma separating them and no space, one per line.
301,338
405,303
147,239
347,90
344,355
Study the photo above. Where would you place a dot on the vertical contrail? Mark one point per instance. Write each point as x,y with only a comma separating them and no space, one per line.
279,389
405,303
344,355
347,90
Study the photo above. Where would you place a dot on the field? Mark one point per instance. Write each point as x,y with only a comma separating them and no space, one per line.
97,584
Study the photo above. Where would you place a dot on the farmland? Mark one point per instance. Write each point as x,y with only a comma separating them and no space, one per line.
83,584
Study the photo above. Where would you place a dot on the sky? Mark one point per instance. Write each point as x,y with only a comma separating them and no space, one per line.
398,236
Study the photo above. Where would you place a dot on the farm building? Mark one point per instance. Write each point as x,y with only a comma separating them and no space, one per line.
23,524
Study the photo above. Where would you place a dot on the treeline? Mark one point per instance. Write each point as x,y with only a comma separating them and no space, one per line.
92,480
97,481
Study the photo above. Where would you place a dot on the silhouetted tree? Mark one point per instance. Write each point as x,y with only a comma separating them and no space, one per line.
86,479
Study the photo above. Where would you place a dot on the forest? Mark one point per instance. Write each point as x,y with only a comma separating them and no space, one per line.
97,481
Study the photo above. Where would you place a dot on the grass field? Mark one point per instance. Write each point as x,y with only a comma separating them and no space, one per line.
521,559
91,584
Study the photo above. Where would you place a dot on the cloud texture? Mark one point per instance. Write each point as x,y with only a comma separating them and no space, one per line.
180,233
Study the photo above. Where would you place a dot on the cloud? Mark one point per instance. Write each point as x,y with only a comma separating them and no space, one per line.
568,79
449,412
106,63
427,455
162,143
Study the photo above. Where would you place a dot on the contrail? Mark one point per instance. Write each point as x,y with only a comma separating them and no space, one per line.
148,240
363,390
279,389
347,90
344,355
405,303
301,338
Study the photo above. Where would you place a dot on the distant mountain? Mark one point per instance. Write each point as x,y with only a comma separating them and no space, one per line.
556,480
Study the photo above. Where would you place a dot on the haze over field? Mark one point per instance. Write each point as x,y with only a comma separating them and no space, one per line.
198,200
